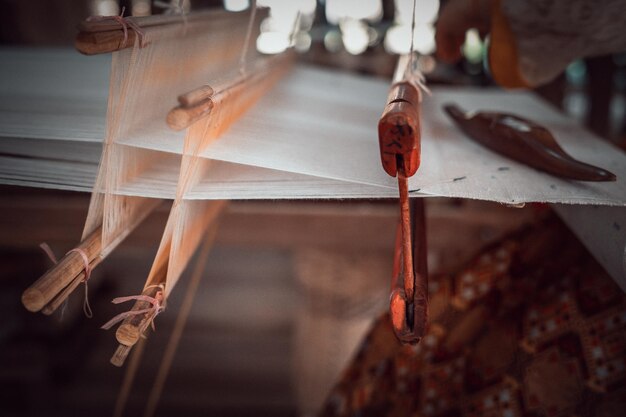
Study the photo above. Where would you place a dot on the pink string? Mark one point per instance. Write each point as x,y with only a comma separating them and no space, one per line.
46,248
86,306
124,23
155,309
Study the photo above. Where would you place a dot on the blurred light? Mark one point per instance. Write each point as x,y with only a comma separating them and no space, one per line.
236,5
332,41
338,10
576,73
302,41
576,105
307,7
472,48
372,35
398,39
354,36
272,42
105,8
425,11
141,8
424,41
286,19
426,64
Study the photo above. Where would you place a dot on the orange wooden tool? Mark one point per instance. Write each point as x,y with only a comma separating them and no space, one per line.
399,141
399,130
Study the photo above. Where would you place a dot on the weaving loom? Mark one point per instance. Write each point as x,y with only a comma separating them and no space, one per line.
274,132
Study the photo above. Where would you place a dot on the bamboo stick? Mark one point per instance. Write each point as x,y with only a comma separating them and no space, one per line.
120,355
131,329
94,43
217,15
56,302
265,71
46,288
180,117
195,97
99,36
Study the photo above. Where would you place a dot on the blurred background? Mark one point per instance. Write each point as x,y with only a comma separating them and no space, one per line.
290,287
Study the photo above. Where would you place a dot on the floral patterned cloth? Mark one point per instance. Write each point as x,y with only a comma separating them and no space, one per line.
532,326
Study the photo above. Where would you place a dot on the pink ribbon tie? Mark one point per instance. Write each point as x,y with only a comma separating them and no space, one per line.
155,309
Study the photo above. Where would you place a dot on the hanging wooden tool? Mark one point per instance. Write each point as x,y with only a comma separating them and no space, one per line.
399,140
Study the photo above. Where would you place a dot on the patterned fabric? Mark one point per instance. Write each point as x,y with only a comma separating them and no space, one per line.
531,327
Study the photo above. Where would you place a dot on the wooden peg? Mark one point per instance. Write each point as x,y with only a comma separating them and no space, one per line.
133,327
180,117
56,302
120,355
195,97
46,288
94,43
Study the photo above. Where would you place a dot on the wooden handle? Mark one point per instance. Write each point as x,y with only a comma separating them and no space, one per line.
195,97
180,117
399,130
94,43
56,302
132,327
62,274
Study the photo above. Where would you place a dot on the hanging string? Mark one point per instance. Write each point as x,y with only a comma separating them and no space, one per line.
411,51
412,73
86,306
174,7
295,29
246,43
181,320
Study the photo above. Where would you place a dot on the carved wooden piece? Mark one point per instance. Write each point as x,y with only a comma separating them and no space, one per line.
525,142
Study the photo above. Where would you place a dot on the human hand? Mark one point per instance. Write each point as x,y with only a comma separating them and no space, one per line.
455,18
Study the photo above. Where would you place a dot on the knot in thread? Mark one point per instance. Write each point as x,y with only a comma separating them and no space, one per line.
124,23
87,268
156,308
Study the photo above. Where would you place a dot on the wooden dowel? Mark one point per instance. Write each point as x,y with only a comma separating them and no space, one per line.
217,15
62,274
94,43
56,302
107,35
132,327
180,117
120,355
195,97
265,71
